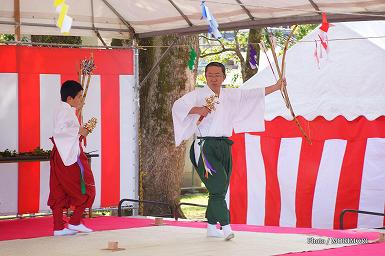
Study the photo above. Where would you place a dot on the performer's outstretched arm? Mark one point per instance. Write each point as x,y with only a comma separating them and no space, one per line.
275,87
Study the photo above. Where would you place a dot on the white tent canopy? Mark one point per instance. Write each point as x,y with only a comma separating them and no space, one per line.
350,81
120,18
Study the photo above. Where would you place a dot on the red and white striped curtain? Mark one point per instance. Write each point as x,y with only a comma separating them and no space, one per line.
280,180
30,79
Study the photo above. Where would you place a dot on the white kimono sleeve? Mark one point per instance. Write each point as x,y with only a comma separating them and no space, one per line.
66,137
250,111
184,124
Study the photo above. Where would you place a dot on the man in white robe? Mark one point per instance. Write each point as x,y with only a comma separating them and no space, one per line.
235,110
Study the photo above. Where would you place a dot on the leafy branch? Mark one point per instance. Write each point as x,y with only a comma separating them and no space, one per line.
36,152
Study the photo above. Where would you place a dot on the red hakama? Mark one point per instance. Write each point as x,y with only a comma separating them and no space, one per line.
65,188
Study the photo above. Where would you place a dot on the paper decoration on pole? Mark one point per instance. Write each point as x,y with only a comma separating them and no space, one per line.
325,24
64,22
192,58
316,53
322,34
253,57
323,38
213,25
87,66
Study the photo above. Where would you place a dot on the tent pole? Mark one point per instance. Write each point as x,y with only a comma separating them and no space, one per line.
16,9
136,123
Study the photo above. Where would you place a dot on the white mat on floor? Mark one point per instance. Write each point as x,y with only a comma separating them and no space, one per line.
161,241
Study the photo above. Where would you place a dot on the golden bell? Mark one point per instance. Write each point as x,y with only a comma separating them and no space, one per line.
91,124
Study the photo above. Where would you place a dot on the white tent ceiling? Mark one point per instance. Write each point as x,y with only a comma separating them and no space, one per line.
349,82
119,18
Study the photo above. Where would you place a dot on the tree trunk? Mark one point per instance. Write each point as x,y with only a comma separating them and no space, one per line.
161,163
255,37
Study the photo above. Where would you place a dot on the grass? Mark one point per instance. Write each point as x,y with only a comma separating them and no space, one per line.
194,212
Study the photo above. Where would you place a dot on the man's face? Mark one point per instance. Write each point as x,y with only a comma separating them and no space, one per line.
77,101
214,77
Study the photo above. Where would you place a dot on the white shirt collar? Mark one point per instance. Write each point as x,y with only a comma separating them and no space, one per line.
67,106
211,91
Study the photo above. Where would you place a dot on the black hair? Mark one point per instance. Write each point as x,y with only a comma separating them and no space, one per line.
70,88
216,64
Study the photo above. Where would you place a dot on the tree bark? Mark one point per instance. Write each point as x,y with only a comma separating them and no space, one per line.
161,163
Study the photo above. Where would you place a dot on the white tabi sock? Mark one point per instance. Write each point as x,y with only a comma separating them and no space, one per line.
228,233
212,231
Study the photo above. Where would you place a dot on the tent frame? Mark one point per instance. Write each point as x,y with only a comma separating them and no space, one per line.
252,22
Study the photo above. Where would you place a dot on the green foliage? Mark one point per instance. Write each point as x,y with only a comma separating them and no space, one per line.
279,36
7,37
200,80
10,38
44,39
303,30
224,51
299,33
8,153
194,212
212,46
36,152
57,39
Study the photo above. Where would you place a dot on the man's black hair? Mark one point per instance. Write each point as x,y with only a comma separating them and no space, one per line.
70,88
216,64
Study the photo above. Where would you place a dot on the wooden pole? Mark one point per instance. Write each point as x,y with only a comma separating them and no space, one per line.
16,8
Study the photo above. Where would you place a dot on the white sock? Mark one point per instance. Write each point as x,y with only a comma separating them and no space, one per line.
212,231
211,226
227,229
228,232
